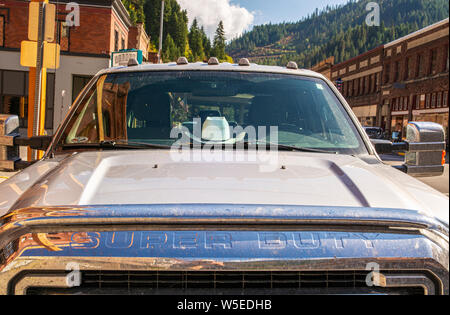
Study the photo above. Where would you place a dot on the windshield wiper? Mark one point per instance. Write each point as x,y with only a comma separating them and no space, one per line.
284,147
114,145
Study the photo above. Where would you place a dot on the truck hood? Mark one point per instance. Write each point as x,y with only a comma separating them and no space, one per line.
155,177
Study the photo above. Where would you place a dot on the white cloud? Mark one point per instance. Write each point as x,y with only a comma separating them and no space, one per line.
210,12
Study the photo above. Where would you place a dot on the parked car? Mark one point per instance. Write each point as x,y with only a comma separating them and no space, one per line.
145,189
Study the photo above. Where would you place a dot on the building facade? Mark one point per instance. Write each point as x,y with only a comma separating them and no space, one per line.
104,27
359,80
405,80
415,78
324,67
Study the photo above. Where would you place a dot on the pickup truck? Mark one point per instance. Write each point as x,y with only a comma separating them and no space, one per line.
218,178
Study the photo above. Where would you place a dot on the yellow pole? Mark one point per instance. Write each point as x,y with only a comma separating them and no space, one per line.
31,90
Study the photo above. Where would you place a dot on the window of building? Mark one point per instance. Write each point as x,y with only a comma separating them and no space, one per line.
63,35
395,105
406,103
422,101
387,73
396,71
376,80
123,44
446,58
428,101
116,40
409,71
433,100
419,66
445,99
2,30
78,83
439,100
433,61
14,96
416,102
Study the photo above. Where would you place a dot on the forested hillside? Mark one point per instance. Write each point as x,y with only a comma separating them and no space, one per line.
178,39
338,31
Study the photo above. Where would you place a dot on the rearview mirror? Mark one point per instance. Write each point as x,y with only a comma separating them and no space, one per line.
424,147
10,141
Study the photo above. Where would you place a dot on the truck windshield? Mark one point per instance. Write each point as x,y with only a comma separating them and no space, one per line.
161,107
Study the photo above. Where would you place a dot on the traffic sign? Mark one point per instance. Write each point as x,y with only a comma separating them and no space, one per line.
33,24
51,55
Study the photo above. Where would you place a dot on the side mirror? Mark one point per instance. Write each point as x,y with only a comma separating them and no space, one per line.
10,141
426,149
9,154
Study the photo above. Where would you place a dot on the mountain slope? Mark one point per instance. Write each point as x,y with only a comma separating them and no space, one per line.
338,31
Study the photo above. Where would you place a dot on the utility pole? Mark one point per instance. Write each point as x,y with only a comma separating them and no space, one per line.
40,82
161,27
39,54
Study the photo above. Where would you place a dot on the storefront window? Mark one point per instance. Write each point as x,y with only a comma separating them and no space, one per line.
14,96
439,118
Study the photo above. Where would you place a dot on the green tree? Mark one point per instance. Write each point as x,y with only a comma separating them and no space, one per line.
136,10
170,51
219,42
196,42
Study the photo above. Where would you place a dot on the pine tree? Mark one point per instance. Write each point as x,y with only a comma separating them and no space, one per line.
171,52
219,42
196,42
206,43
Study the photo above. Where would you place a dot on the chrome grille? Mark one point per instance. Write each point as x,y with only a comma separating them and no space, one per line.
224,280
187,282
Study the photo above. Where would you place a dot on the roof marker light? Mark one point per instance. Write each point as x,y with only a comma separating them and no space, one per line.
132,62
182,61
292,65
244,62
213,61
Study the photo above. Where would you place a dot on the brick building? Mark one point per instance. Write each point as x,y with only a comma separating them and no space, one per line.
324,67
104,27
360,77
415,77
405,80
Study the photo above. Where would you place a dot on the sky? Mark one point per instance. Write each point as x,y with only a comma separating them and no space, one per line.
241,15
